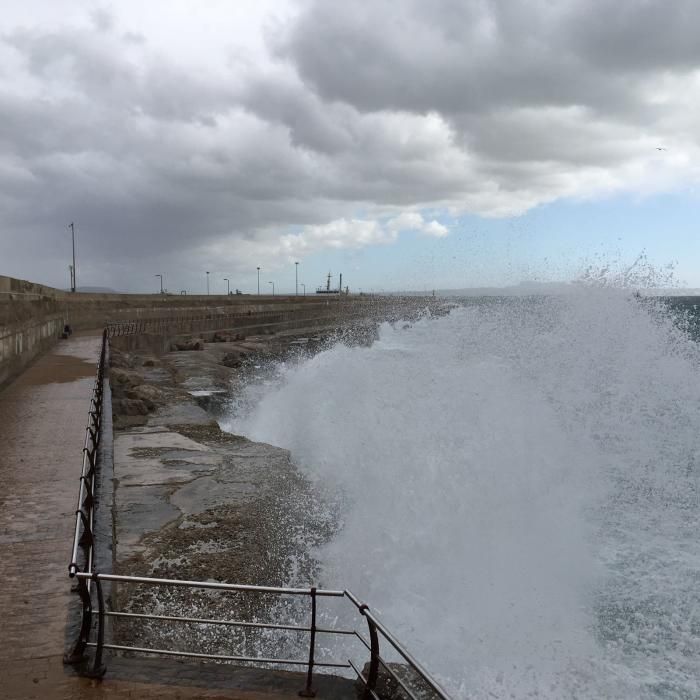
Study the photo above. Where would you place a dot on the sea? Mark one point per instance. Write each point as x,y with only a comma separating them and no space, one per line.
517,489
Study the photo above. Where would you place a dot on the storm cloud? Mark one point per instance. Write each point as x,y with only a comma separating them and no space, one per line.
354,122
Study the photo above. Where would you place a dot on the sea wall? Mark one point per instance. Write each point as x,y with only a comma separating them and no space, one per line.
21,342
32,316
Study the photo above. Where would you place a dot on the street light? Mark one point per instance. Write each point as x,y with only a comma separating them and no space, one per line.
228,286
258,281
273,288
207,284
296,279
304,286
161,282
73,282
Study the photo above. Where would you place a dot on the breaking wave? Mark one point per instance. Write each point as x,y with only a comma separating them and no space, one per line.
520,490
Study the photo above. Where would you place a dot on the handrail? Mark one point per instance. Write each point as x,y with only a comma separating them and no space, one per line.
213,585
212,321
82,569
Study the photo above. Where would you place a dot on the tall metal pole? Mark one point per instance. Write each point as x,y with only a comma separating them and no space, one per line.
72,231
207,284
258,281
304,286
296,279
161,283
228,286
273,288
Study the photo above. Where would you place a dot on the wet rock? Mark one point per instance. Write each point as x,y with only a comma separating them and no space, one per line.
121,378
232,359
130,407
119,359
189,345
151,395
181,413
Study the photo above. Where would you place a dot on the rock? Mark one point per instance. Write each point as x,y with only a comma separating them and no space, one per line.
123,377
129,407
232,359
188,345
150,395
119,359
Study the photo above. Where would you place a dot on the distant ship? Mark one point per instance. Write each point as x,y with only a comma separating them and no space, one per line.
327,289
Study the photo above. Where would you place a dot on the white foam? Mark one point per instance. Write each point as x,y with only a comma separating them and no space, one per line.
522,482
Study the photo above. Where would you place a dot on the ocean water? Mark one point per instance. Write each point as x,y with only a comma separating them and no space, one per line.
519,490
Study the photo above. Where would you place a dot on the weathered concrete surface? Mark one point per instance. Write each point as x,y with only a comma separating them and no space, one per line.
196,503
42,421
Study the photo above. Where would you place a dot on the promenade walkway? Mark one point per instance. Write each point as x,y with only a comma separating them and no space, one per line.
42,423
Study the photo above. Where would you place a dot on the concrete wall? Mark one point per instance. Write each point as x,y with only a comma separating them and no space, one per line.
21,300
32,316
21,342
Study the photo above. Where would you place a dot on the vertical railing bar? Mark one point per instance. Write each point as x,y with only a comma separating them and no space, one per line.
98,668
374,658
308,691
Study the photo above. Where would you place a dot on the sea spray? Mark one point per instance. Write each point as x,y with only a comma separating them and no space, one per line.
520,482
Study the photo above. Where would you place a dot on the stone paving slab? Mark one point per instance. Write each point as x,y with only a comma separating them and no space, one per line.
42,429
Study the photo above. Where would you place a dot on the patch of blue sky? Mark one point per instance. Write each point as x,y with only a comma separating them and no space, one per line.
552,242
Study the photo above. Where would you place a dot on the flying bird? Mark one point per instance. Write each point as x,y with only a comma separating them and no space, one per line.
658,148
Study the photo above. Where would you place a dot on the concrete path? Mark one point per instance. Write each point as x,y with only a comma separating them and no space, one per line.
42,427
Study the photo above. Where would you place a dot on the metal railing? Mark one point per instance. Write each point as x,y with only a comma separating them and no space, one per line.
92,631
84,534
212,322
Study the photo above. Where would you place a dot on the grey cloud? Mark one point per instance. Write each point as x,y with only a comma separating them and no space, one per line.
455,56
490,107
637,36
312,123
102,19
95,68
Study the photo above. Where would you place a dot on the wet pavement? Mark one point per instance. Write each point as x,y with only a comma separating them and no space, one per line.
42,427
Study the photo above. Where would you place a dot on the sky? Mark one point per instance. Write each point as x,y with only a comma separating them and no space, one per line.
406,144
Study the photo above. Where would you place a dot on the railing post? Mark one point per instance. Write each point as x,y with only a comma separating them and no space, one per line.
374,656
98,668
77,654
308,691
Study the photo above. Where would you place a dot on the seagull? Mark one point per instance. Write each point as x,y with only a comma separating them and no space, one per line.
658,148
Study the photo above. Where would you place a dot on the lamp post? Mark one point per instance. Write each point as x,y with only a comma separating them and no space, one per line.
273,288
304,286
161,282
296,279
207,284
228,286
72,233
258,281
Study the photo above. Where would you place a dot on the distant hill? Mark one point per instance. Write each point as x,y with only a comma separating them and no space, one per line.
523,288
